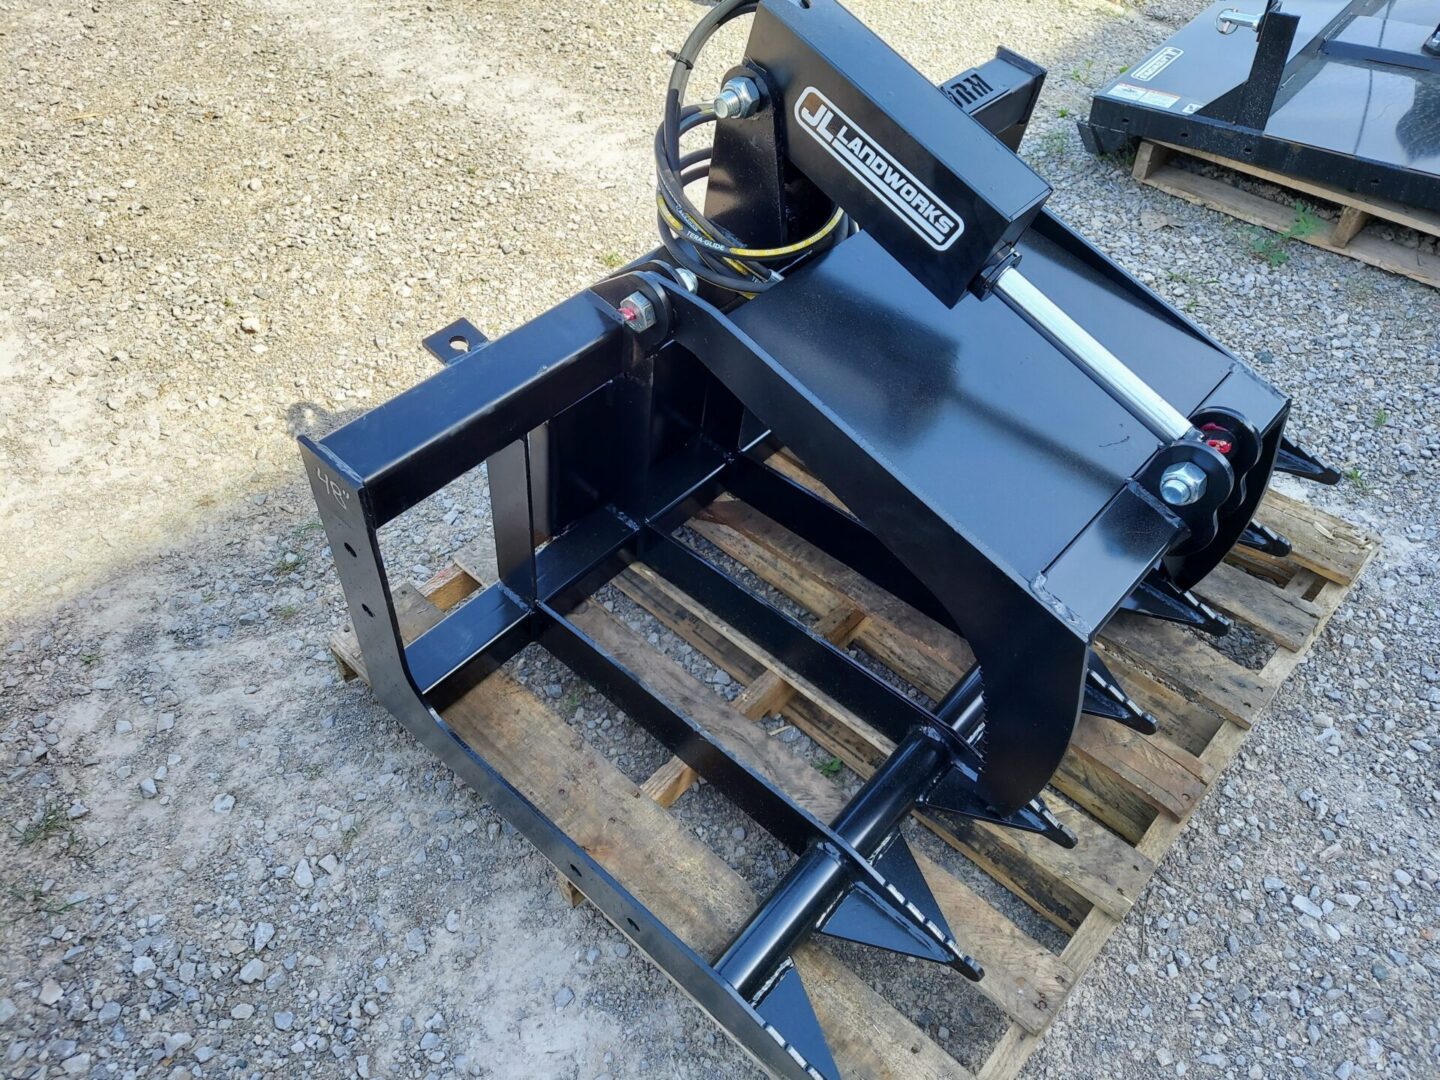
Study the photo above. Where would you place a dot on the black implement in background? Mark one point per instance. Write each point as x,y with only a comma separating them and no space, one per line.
1338,93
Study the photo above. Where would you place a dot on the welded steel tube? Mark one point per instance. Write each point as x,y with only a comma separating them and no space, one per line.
1104,367
819,877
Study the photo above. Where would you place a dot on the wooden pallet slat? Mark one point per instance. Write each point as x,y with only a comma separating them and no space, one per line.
1132,795
1235,692
1347,236
1286,618
1334,549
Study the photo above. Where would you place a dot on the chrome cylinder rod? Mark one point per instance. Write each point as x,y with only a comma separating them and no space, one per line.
1104,367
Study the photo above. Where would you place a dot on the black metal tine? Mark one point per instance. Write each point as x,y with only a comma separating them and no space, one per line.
1159,598
867,919
1264,539
897,862
1105,697
1297,461
852,684
790,1020
955,794
1098,703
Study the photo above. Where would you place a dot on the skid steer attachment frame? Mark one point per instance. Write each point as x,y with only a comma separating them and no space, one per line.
1014,474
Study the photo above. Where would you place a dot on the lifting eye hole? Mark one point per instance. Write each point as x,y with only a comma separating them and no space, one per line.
459,343
351,551
366,608
633,924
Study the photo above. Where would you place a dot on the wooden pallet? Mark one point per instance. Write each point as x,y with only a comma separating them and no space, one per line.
1125,796
1154,165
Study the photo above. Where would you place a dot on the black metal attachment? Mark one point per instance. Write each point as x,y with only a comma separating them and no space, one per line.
1249,105
998,465
1263,539
1296,461
1339,92
1105,697
1160,598
1000,94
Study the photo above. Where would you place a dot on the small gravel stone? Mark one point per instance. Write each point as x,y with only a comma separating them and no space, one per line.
284,1021
253,971
303,875
175,1042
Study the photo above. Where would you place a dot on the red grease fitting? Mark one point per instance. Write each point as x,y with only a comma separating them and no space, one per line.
1221,441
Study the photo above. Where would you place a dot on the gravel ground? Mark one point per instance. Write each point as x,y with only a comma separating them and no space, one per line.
223,222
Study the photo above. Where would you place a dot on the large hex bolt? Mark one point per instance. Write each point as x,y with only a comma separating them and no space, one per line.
1183,484
738,98
638,312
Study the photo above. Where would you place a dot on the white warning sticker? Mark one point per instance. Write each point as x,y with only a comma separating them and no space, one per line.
1156,99
1157,63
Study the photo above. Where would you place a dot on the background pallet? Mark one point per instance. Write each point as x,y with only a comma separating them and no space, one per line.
1125,796
1154,165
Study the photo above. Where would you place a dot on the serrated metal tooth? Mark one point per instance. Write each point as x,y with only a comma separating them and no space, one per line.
795,1055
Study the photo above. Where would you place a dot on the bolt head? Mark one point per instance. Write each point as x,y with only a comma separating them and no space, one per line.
1183,484
638,312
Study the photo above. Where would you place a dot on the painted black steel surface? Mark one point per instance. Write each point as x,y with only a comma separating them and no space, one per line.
878,138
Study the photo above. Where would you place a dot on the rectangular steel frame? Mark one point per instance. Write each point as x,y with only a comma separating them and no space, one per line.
563,374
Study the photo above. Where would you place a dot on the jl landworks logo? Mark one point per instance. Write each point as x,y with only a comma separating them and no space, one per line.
871,164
